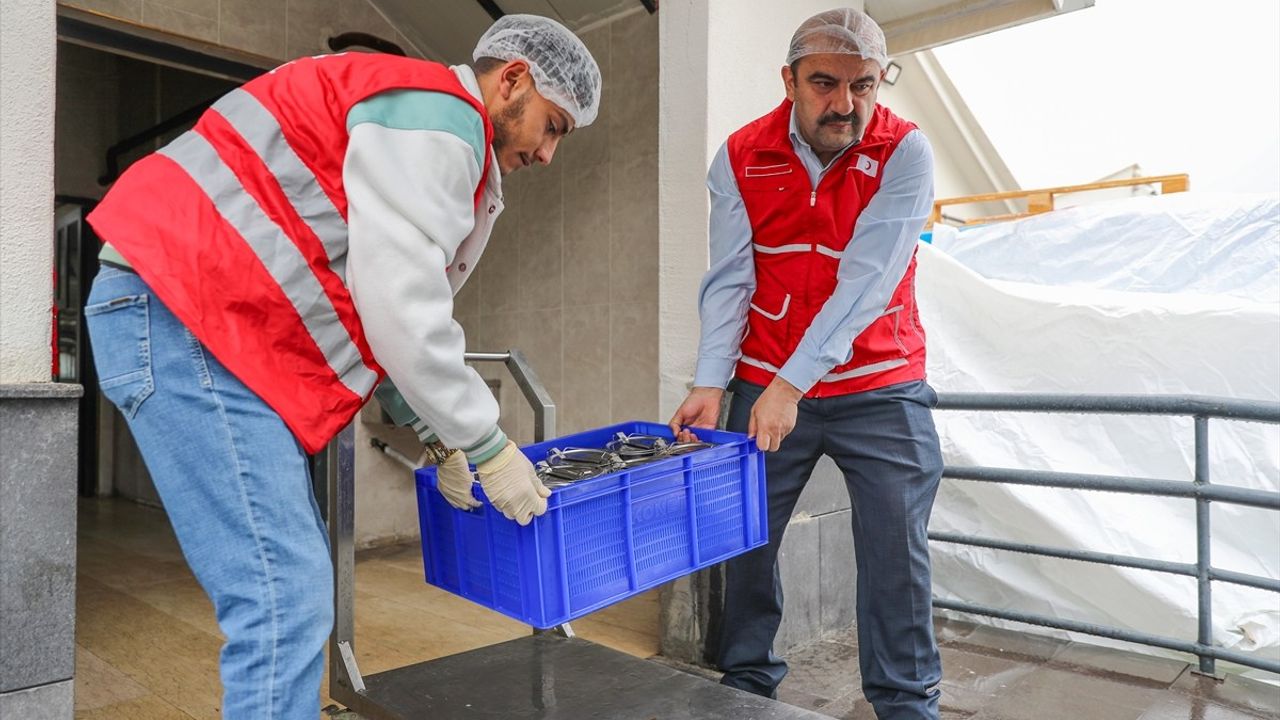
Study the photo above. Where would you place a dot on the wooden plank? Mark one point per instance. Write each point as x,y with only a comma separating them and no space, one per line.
1041,199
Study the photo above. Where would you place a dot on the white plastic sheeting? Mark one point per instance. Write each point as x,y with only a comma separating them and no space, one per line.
1162,295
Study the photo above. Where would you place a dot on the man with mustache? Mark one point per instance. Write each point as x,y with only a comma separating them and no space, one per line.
809,307
262,272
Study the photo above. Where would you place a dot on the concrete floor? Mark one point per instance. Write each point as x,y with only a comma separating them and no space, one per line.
147,644
994,674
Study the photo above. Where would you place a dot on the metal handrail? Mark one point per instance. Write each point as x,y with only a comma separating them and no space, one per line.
346,684
1201,409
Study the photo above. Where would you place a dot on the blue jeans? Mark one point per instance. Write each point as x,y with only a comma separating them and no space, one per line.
885,443
237,489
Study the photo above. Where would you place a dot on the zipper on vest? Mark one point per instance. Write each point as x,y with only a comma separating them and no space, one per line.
813,198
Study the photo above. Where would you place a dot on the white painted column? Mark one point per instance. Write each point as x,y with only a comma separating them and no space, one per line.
37,416
27,58
720,66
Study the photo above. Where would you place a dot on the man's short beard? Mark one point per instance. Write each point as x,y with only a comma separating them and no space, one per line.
505,121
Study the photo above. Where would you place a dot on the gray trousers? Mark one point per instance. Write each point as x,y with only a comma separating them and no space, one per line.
885,443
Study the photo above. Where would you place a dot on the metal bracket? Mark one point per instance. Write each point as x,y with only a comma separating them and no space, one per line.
353,672
562,630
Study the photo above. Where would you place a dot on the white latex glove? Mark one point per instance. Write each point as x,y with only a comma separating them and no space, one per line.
454,479
512,485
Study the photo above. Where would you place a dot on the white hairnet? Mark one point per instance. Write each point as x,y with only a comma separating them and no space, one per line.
845,31
563,70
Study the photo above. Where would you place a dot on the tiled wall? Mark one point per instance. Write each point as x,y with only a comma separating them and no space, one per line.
279,29
571,273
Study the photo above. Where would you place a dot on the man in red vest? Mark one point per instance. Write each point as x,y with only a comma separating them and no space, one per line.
265,270
809,306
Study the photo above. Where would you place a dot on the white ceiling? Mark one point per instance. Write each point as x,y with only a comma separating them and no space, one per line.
446,30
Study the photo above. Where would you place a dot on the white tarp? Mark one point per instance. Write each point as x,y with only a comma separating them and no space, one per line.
1176,294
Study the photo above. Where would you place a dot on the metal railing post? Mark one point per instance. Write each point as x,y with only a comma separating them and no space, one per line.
344,679
1204,543
544,410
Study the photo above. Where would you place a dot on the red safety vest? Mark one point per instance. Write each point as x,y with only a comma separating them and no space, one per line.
799,235
239,227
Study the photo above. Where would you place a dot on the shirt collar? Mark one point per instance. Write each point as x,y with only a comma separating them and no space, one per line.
467,77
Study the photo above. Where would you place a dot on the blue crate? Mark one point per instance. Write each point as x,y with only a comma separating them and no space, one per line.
601,540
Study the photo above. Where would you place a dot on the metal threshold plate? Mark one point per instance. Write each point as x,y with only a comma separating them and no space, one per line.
548,676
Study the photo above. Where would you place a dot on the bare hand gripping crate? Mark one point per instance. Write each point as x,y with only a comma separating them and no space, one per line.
601,540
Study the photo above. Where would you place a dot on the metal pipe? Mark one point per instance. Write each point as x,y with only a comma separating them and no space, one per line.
544,410
1111,483
393,453
1204,544
1200,405
1164,566
1173,568
1110,632
340,465
1241,579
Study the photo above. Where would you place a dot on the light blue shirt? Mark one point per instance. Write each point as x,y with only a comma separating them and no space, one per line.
884,240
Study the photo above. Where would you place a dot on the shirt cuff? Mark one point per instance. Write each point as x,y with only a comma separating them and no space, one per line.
487,448
801,372
714,372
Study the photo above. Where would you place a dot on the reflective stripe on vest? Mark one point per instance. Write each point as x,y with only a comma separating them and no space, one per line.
863,371
796,248
260,129
278,254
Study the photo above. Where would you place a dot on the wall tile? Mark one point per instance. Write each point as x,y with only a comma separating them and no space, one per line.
361,16
591,143
203,8
587,225
633,335
122,9
634,230
467,301
501,263
254,26
587,368
308,26
181,22
541,337
634,106
542,239
499,333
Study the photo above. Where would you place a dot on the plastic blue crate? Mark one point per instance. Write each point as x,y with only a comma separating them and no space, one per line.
601,540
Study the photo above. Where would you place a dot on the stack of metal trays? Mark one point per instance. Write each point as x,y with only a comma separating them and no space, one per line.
565,466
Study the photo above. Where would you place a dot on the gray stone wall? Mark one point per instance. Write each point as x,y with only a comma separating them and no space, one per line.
818,577
37,547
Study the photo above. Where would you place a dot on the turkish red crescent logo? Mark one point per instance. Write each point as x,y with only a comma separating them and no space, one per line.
865,165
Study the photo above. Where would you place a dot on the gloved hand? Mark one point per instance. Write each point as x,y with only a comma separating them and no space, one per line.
512,485
454,479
